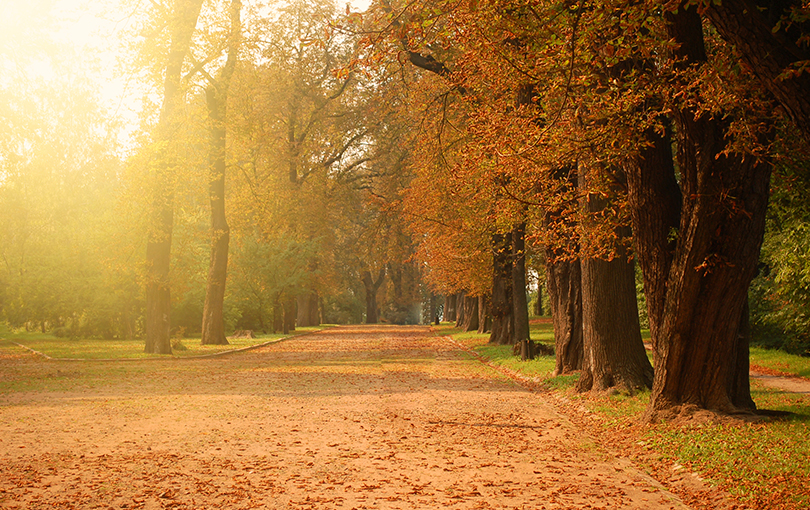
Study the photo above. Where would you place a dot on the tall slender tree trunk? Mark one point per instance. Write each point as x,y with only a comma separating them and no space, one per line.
290,314
213,323
538,304
372,286
460,303
484,318
501,307
433,316
520,305
159,237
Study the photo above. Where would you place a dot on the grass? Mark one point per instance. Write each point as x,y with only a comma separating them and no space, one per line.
780,361
84,348
764,465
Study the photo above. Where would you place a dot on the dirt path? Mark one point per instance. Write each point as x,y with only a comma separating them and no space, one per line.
353,417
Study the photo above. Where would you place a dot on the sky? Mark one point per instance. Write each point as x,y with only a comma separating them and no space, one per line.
87,38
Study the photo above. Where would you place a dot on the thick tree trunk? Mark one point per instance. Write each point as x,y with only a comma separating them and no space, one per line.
501,306
768,52
564,280
614,353
520,305
450,308
159,237
697,344
470,320
371,287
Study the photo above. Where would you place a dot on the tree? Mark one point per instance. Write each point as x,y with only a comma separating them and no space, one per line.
159,238
771,38
372,285
213,325
701,356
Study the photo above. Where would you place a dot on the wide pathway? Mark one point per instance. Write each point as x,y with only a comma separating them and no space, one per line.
351,417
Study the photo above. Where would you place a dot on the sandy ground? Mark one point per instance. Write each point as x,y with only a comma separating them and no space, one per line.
352,417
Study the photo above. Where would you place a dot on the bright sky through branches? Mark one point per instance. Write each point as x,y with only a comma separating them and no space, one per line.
42,40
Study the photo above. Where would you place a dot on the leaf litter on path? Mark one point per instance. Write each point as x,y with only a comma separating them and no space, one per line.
351,417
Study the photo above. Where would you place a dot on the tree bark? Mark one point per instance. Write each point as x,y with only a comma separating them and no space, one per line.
538,304
501,306
213,324
470,320
433,316
159,237
484,318
520,305
697,323
450,308
372,286
564,280
308,311
614,353
290,314
768,52
460,303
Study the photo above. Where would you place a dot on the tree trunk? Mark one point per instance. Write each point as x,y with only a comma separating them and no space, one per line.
697,344
372,286
484,319
470,320
564,280
450,308
278,316
289,315
769,52
520,305
460,302
538,304
614,353
159,237
501,306
433,316
213,324
308,312
158,293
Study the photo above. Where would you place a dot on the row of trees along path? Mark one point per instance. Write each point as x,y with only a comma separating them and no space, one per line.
350,417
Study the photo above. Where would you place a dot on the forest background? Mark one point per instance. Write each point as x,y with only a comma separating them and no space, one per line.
375,161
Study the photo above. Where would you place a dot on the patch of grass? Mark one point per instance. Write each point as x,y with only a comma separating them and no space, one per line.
65,348
501,355
781,361
766,465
